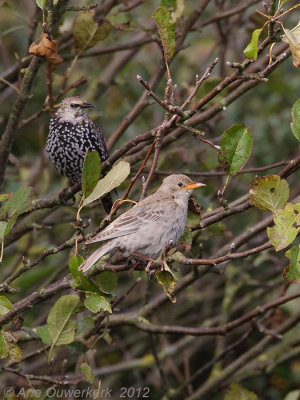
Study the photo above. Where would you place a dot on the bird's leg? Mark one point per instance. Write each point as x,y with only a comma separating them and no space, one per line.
149,259
62,198
148,268
164,251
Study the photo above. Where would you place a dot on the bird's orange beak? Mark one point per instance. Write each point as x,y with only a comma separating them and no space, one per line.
193,185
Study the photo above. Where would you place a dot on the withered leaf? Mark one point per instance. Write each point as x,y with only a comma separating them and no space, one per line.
45,47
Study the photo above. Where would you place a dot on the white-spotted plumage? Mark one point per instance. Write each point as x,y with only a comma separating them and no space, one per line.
71,134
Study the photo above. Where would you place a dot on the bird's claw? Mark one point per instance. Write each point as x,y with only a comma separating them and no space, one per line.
150,262
64,201
148,269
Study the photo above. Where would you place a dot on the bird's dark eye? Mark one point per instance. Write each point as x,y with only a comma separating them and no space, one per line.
180,184
75,105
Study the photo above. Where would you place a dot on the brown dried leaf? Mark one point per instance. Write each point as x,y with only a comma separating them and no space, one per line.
45,47
292,37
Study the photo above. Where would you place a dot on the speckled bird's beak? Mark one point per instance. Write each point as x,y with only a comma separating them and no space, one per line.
87,105
193,185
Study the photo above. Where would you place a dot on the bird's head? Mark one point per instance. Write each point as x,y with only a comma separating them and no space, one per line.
180,186
72,109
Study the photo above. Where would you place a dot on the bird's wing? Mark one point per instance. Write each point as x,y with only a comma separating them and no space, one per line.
102,148
129,222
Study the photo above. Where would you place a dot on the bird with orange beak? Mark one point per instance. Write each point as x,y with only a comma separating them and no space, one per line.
146,228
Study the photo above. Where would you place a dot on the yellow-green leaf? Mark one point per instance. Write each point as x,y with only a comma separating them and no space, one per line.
292,37
61,328
252,48
166,30
3,225
269,193
8,346
5,196
43,333
237,392
295,125
168,281
41,3
17,203
112,179
5,306
286,226
236,145
86,372
96,303
87,32
292,272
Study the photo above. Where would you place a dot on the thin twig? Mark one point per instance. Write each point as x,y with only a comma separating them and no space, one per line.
199,82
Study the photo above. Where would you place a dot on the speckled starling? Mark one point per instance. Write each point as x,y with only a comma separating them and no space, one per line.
150,225
71,134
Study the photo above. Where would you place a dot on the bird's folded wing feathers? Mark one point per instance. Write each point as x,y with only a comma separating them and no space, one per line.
97,132
128,223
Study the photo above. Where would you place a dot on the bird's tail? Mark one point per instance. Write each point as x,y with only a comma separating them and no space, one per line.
93,258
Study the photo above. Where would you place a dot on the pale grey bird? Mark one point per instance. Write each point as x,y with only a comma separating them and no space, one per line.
147,227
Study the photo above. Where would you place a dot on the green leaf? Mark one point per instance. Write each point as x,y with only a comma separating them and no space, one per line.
167,279
87,32
96,303
6,226
3,345
168,4
286,228
90,172
106,336
236,145
4,196
269,193
107,281
252,48
86,372
43,333
292,37
8,346
112,179
41,3
280,237
237,392
166,30
295,125
61,328
120,20
5,306
292,272
18,203
3,225
80,281
83,325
